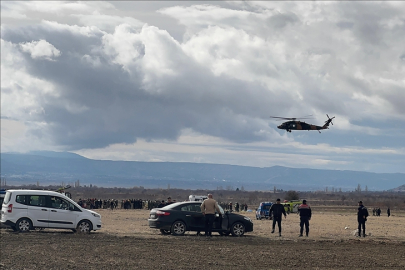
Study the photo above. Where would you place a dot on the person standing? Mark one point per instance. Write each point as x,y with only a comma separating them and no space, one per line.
277,210
208,208
305,216
388,212
362,215
169,201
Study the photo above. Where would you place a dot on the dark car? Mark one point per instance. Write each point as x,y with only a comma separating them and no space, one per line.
177,218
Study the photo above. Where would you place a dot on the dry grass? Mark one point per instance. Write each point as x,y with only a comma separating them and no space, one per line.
325,224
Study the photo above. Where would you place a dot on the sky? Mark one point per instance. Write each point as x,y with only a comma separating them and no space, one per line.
197,81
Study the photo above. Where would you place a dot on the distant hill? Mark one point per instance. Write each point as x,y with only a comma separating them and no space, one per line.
399,189
58,167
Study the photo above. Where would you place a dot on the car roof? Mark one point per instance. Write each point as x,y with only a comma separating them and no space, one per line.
172,205
32,191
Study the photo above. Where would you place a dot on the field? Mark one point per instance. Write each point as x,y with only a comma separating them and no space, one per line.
126,242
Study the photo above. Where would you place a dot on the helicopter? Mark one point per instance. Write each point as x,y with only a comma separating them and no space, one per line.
298,125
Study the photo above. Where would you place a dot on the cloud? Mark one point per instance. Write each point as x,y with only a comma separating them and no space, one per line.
111,79
40,50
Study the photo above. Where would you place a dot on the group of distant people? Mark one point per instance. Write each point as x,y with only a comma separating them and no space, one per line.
377,212
94,203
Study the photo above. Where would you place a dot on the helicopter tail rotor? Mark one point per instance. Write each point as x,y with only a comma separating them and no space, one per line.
329,120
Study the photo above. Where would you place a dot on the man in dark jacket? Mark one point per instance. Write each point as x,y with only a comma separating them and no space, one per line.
278,210
305,216
362,215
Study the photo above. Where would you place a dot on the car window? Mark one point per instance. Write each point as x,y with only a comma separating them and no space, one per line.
59,203
221,210
191,208
7,197
36,200
21,199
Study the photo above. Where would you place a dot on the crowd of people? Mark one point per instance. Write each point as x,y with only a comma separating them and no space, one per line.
94,203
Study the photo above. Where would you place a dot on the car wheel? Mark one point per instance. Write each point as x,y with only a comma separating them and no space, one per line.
23,225
165,232
84,226
178,228
238,229
224,233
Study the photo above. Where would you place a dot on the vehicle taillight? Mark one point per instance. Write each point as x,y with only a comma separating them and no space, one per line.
10,208
162,213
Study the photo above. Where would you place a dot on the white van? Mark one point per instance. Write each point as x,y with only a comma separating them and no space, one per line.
24,210
197,198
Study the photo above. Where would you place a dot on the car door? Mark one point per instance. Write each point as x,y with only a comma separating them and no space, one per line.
194,217
223,220
62,213
37,210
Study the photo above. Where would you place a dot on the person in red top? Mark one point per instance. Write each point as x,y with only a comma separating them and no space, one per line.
305,217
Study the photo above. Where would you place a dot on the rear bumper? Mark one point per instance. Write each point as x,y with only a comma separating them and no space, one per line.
7,223
157,224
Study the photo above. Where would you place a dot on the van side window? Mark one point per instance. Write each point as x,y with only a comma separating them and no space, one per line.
36,200
21,199
60,203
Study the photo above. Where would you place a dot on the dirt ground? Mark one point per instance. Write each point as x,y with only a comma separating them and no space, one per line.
126,242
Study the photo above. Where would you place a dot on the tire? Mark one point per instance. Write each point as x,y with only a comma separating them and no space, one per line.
23,225
84,226
178,228
165,232
238,229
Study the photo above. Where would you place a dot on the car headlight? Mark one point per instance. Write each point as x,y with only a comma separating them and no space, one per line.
96,215
248,219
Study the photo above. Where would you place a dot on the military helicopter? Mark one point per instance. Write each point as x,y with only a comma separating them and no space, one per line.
298,125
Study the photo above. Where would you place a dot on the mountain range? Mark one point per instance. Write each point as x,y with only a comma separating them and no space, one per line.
49,168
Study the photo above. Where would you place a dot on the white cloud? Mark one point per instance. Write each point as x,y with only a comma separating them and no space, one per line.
21,93
114,80
40,50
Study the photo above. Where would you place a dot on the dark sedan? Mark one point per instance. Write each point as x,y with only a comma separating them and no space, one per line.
177,218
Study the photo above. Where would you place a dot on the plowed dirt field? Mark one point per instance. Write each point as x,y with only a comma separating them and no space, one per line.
126,242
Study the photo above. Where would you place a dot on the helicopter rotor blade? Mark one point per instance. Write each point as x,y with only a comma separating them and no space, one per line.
291,118
284,118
